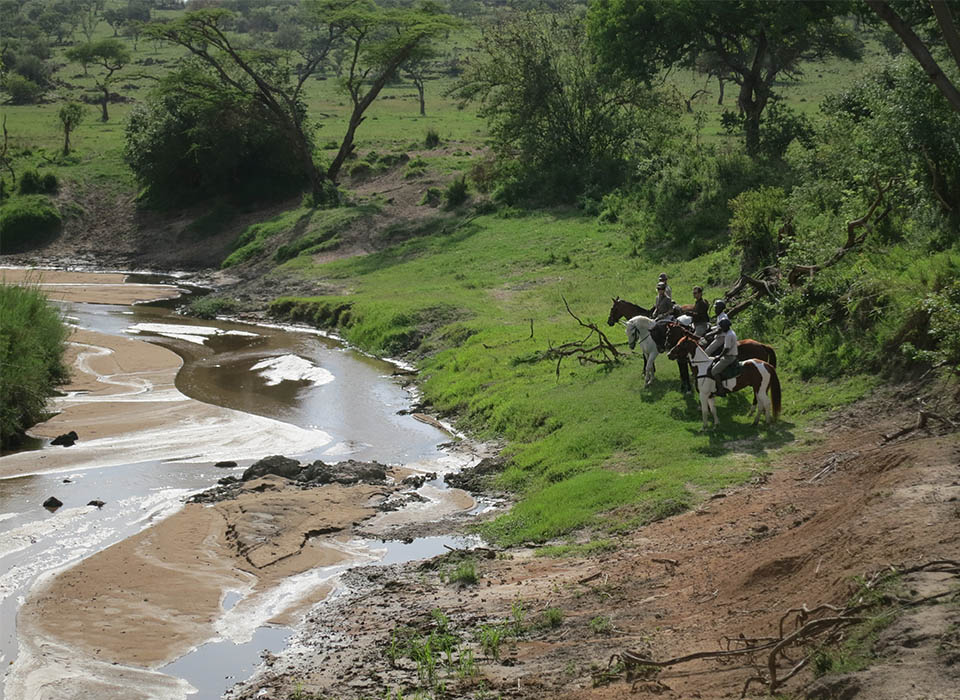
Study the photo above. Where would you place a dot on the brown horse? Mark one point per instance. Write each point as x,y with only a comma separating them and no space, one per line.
747,349
756,374
626,309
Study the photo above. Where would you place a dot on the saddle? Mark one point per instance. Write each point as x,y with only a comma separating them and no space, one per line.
731,372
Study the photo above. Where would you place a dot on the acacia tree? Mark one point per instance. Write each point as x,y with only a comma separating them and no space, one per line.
757,42
416,69
379,41
109,54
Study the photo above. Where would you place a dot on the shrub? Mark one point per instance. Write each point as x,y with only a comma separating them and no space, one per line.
32,182
756,218
212,306
32,339
415,168
359,169
432,197
456,193
23,91
432,139
27,221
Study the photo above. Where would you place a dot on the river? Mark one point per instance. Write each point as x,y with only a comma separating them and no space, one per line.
243,392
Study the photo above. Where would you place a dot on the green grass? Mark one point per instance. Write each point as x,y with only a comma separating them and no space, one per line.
32,342
586,449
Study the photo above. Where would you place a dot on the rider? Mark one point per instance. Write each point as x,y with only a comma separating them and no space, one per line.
663,278
701,312
725,347
663,304
720,307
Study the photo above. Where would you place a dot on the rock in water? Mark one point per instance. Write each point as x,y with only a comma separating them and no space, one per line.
52,503
67,439
98,503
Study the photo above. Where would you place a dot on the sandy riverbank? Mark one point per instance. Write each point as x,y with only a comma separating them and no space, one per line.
104,626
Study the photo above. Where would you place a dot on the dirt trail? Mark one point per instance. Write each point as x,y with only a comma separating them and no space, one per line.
847,505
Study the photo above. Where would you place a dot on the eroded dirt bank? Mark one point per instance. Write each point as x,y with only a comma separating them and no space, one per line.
848,503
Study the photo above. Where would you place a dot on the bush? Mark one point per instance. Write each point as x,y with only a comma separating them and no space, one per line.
456,193
32,182
432,139
212,306
756,218
22,91
28,221
32,339
187,150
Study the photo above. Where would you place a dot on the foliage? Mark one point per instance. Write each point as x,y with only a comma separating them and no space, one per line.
210,306
110,56
70,115
456,193
27,221
756,215
465,573
754,43
213,143
32,342
560,125
944,310
32,182
22,91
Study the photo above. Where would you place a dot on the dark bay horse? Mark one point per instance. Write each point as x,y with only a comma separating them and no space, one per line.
756,374
624,309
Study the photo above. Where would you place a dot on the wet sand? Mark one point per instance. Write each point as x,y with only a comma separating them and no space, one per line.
102,627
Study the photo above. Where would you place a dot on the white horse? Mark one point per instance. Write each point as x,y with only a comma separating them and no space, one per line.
757,374
638,331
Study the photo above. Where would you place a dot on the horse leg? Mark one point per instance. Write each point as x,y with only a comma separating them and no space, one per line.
684,376
705,409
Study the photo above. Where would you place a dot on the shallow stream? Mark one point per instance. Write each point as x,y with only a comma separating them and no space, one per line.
284,375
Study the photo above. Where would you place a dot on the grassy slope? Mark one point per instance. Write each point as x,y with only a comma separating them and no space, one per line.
593,441
591,447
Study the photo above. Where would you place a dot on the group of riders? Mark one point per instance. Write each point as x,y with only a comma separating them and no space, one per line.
719,341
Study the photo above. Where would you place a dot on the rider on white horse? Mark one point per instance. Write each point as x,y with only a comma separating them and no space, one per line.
724,348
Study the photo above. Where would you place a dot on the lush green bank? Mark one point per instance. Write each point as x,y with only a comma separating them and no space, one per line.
587,446
32,337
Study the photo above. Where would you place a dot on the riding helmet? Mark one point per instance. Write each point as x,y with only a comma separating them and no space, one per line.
719,305
724,323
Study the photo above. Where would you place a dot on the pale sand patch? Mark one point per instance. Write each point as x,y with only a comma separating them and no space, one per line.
123,404
148,600
91,287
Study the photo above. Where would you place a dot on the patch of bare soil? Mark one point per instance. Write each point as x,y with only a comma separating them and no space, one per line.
848,503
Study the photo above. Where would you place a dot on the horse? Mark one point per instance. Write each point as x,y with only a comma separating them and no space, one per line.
747,349
624,309
638,331
759,375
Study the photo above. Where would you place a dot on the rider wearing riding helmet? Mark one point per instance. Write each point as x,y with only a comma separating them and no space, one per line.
724,348
720,307
701,312
663,278
663,304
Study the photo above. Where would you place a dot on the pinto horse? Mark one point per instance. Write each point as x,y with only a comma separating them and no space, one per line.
747,349
624,309
757,374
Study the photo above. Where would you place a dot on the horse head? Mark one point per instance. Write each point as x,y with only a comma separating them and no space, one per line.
685,346
615,314
675,333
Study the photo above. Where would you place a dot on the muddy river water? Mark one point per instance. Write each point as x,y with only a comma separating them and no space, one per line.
111,601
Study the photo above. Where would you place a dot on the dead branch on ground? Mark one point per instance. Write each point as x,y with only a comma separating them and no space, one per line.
590,350
802,633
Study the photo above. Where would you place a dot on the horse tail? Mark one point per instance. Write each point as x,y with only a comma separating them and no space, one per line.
774,391
771,356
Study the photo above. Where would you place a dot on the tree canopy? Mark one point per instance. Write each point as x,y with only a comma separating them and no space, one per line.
755,42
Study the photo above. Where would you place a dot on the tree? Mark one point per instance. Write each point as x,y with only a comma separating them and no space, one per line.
559,122
70,115
111,55
89,13
911,14
416,68
756,41
380,41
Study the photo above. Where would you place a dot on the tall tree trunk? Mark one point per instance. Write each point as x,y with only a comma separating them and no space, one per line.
106,98
423,104
66,140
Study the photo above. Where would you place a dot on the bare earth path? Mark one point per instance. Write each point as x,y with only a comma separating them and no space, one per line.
847,504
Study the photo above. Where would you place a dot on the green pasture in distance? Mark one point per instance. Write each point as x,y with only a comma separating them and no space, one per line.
591,447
